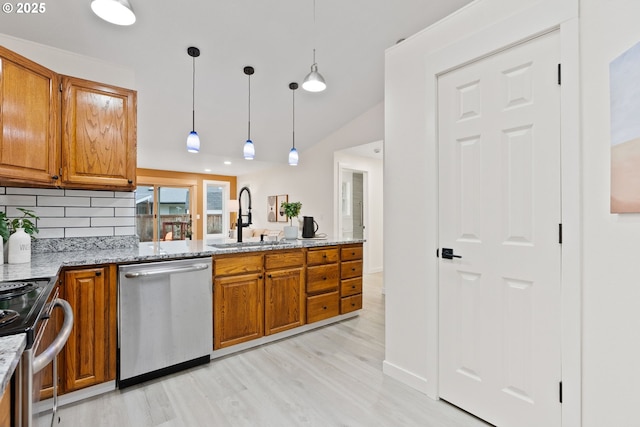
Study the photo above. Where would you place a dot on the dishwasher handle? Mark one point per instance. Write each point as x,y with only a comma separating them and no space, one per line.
60,340
164,271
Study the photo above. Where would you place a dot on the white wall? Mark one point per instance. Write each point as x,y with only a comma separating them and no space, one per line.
71,64
611,291
313,182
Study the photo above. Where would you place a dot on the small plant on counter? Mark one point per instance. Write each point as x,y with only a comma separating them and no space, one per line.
291,209
9,226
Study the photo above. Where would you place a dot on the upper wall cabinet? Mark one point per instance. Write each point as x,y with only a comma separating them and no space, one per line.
98,135
29,106
60,131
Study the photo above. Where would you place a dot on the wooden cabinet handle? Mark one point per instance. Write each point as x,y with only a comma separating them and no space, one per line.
260,276
98,273
353,286
269,276
324,278
130,181
54,177
353,269
324,307
353,304
353,253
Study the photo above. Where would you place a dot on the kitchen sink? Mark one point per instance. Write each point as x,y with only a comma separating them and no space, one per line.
236,245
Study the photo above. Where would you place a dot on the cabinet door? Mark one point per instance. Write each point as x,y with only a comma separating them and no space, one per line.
284,300
98,135
46,384
29,105
90,351
238,314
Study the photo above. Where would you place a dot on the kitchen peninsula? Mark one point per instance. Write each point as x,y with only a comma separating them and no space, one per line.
288,287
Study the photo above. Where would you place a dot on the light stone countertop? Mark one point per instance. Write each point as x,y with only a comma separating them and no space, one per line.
48,264
11,348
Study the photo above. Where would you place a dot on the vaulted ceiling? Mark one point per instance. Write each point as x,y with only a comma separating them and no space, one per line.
276,37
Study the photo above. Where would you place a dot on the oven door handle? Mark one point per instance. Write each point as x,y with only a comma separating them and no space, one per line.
47,356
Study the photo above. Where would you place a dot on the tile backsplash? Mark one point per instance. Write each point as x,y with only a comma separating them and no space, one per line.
73,213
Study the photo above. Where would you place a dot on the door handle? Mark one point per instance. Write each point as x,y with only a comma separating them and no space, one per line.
447,253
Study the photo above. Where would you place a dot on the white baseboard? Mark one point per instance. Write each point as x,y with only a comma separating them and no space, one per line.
409,378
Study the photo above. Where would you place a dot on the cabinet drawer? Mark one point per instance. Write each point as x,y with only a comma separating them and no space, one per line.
322,256
322,278
351,286
350,269
349,253
237,264
284,259
322,306
352,303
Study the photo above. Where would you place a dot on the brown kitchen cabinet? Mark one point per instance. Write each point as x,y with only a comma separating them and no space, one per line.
350,278
57,317
98,135
323,280
84,138
29,121
238,293
90,352
284,291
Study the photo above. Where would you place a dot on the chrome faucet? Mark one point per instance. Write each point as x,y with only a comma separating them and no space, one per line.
240,223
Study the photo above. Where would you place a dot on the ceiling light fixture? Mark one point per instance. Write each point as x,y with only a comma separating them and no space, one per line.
117,12
249,150
314,82
193,140
293,153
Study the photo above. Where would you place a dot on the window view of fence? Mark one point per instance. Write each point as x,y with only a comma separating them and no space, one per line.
173,220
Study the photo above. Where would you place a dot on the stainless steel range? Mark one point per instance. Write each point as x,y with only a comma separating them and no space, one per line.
25,307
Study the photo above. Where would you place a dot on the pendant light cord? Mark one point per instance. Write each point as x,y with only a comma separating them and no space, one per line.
293,125
193,97
314,32
249,108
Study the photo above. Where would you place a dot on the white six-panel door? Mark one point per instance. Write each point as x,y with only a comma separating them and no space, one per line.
499,198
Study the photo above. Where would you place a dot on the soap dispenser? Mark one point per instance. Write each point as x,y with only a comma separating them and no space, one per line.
19,246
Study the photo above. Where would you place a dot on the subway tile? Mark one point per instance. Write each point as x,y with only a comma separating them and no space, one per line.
125,211
89,193
40,211
115,203
90,212
87,232
36,191
63,201
113,221
125,231
125,194
64,222
18,200
50,233
3,190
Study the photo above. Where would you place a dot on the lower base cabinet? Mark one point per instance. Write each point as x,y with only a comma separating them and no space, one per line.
89,357
323,306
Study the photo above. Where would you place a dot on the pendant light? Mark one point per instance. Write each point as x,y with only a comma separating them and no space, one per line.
117,12
314,82
249,151
293,153
193,140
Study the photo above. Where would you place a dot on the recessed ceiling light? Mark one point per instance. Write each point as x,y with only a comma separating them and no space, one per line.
207,170
227,162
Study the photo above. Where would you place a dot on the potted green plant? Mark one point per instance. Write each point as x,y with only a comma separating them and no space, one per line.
26,224
291,210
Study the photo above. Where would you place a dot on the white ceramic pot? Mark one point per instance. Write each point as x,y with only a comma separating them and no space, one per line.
290,233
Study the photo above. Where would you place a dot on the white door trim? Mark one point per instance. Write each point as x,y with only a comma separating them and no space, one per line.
538,19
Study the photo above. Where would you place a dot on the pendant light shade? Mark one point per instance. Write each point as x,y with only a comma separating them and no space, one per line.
293,153
193,140
314,82
117,12
249,150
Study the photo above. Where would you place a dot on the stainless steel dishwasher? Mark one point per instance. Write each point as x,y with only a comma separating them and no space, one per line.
165,319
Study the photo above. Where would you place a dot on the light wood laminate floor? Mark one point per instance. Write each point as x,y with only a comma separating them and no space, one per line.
328,377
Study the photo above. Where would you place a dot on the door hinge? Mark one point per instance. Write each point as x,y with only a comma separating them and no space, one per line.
60,87
560,391
559,74
560,233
